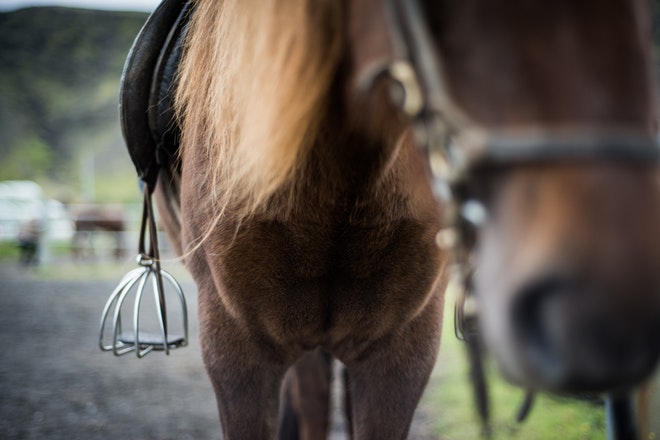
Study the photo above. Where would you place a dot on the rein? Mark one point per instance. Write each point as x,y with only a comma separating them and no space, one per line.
459,152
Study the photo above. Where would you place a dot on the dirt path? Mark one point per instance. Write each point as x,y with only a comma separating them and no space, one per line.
57,385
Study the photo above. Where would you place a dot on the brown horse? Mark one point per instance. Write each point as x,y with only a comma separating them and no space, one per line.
89,221
308,221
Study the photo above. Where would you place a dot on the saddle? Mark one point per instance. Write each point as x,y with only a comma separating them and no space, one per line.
146,97
152,136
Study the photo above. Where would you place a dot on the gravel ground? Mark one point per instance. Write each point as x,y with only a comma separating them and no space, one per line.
56,383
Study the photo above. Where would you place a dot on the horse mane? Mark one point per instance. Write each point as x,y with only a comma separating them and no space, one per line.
252,90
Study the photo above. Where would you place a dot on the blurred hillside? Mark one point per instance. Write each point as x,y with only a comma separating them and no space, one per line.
59,79
655,21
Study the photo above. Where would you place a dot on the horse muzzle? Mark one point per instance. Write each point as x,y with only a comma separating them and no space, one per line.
565,336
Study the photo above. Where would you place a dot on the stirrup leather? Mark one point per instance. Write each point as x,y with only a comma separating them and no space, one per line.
149,273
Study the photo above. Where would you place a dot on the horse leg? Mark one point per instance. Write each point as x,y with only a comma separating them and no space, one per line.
644,400
245,371
118,245
387,381
348,403
76,247
305,412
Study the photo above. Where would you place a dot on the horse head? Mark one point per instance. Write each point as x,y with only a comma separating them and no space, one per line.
549,108
566,267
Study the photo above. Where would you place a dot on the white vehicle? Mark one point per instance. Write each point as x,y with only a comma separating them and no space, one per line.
22,201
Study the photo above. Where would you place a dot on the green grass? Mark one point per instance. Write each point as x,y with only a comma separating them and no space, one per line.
449,402
9,250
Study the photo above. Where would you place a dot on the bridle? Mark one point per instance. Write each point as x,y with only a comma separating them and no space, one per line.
417,72
458,153
457,149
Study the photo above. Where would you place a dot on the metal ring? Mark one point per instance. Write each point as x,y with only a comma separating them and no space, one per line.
413,100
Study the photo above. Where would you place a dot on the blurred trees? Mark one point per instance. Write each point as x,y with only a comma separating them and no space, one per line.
59,79
30,159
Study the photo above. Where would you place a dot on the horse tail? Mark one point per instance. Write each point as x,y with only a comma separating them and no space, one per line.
252,86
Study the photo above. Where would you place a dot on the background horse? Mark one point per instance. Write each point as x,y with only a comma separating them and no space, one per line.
90,221
306,216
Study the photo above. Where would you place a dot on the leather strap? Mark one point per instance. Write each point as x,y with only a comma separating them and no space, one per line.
577,146
151,258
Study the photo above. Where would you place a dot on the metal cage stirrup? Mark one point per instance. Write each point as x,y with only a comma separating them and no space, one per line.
113,336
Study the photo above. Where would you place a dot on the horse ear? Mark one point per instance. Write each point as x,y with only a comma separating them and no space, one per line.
144,67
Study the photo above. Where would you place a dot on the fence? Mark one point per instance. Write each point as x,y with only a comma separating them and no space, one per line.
93,232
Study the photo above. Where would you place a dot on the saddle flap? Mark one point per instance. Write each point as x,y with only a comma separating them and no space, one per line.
165,129
149,62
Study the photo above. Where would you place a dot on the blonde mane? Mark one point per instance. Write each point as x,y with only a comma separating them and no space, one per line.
252,88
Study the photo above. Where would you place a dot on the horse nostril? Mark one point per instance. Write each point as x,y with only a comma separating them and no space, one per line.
569,336
536,318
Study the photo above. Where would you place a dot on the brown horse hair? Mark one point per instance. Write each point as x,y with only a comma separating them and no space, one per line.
263,116
644,396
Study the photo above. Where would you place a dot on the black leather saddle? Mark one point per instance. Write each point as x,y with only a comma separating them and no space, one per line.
146,95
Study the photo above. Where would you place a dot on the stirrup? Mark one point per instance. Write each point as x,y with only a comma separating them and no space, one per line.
137,280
